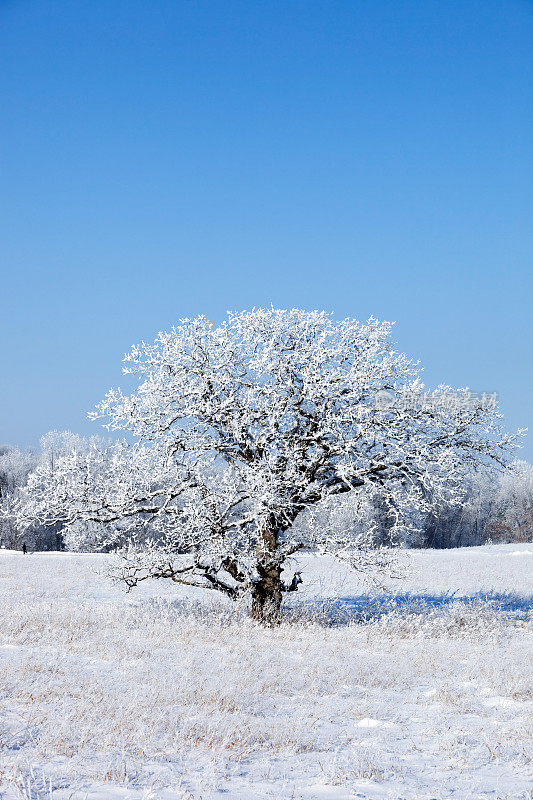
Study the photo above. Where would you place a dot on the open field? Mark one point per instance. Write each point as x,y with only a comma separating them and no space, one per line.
162,694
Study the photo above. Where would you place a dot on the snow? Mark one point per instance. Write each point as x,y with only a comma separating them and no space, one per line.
420,692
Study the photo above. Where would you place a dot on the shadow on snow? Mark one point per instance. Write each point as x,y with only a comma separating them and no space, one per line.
360,609
367,608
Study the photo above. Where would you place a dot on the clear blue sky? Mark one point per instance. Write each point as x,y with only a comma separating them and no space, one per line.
166,158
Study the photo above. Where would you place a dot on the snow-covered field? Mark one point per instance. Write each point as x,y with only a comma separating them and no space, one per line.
423,693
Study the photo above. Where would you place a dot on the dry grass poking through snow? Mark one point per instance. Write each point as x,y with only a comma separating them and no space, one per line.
105,695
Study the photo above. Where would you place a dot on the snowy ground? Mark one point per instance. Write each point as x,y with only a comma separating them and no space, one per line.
158,694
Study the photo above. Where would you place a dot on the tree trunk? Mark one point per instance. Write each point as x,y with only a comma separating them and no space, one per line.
267,592
267,595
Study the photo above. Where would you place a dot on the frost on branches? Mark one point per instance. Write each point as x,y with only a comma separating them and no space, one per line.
248,433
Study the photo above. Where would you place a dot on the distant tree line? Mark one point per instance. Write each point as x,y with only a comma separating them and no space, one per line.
497,508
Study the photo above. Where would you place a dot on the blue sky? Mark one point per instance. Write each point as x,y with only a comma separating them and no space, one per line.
167,158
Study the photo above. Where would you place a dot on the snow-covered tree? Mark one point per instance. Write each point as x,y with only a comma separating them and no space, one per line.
241,429
66,475
494,506
511,511
15,466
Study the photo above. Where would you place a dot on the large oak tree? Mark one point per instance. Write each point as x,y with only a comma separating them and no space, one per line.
240,429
